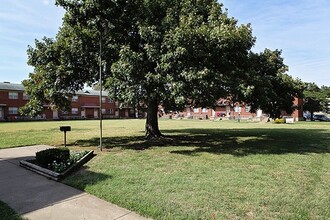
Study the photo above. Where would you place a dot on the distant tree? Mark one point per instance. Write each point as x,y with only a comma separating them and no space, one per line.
269,87
326,92
315,98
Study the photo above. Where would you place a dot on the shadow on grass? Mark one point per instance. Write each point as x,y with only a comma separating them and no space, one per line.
85,178
238,142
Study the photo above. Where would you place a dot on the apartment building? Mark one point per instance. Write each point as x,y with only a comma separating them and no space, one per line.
84,105
226,110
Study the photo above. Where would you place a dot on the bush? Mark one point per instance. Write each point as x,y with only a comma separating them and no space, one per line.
46,157
279,121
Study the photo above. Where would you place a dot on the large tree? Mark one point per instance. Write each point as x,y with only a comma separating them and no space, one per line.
156,52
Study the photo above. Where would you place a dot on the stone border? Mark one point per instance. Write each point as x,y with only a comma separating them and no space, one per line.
54,175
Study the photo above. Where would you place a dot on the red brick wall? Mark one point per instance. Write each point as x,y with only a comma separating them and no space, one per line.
220,110
48,113
298,112
4,99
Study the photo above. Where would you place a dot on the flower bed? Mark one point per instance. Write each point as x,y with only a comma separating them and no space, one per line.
59,170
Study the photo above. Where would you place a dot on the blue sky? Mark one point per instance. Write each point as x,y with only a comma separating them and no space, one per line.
300,28
21,22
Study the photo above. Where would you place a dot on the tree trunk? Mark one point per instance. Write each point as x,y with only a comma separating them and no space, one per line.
152,130
312,116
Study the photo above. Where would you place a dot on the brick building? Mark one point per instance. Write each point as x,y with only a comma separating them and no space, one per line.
84,105
224,109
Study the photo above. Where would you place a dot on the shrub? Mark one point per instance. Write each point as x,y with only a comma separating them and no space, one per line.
75,156
279,121
46,157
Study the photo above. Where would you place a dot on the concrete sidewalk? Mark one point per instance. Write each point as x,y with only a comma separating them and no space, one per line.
37,198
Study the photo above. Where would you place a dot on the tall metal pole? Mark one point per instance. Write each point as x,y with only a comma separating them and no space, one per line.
100,82
64,138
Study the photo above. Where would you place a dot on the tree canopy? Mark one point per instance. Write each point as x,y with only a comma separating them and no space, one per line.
315,98
155,52
269,87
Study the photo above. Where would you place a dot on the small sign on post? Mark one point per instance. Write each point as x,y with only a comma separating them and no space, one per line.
65,129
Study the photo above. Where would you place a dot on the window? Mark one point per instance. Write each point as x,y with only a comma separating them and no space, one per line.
110,111
25,96
110,101
247,108
64,112
13,110
74,111
238,109
13,95
204,110
104,99
75,98
196,110
104,111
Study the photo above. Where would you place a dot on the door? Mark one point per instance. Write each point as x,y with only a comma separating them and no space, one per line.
227,111
83,113
259,113
1,113
188,111
96,113
55,114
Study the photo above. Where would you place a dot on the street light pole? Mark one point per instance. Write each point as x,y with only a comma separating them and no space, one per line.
100,82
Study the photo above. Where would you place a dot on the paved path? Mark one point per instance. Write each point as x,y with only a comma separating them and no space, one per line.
37,198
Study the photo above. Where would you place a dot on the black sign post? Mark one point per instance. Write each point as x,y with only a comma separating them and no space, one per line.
65,129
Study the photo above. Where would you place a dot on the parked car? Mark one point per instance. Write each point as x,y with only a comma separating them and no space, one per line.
307,116
321,118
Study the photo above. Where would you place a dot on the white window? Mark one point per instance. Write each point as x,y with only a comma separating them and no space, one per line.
104,99
13,110
74,111
196,110
64,112
25,96
75,98
104,111
238,109
13,95
204,110
110,111
247,108
110,101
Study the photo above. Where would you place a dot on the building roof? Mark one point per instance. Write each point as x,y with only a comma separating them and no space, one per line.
19,87
11,86
91,93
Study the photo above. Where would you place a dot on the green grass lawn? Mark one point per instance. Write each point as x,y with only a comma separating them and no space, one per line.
203,170
7,213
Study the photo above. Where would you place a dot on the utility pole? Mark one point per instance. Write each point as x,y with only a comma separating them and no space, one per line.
100,82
